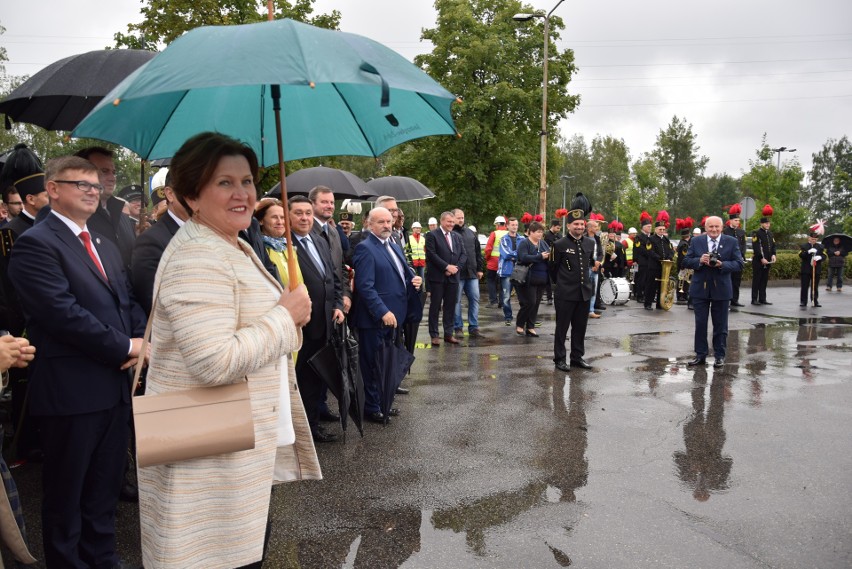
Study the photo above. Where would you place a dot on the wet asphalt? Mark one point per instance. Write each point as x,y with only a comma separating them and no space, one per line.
500,461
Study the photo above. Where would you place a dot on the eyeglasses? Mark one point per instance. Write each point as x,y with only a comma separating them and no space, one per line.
82,185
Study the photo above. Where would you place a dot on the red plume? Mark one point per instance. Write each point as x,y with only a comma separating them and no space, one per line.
614,225
538,217
703,219
663,216
688,222
678,224
767,210
736,209
526,218
560,213
645,216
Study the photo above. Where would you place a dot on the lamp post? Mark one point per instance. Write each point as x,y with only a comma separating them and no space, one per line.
542,192
778,151
565,179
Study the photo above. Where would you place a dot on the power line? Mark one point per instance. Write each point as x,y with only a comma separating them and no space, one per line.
741,84
723,101
579,79
720,62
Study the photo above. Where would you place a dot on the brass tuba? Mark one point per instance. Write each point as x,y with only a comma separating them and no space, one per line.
668,285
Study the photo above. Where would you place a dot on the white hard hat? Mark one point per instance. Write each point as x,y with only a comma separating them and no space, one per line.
696,231
432,221
499,219
416,224
158,180
631,230
472,228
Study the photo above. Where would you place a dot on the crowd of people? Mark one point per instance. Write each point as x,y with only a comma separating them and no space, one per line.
84,269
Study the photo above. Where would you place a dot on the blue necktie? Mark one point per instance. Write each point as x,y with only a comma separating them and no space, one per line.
309,246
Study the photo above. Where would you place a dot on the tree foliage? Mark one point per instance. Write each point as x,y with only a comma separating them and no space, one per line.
830,195
680,165
494,64
166,20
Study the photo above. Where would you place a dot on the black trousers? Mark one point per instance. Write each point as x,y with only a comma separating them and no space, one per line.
573,314
310,384
529,297
639,282
445,293
652,285
806,285
84,457
759,280
736,279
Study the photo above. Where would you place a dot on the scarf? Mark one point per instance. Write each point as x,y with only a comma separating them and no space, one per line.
275,243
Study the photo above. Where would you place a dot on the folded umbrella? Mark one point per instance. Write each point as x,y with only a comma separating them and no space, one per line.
392,363
333,364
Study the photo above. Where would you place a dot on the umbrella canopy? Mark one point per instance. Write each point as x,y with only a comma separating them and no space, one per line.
400,187
59,96
341,94
344,184
392,363
845,241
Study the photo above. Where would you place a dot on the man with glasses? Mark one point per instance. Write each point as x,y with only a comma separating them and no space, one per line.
88,330
109,219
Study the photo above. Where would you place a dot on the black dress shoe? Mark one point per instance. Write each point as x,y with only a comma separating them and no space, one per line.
765,302
756,303
375,417
329,417
402,391
649,308
393,412
718,362
817,305
581,363
450,340
323,437
600,307
562,366
697,362
532,334
803,304
737,304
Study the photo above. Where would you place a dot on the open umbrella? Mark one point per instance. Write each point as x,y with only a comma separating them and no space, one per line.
59,96
402,188
392,363
342,94
334,364
845,240
344,184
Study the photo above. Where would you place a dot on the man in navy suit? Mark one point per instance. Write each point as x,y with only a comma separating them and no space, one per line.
88,328
444,255
713,256
386,297
323,283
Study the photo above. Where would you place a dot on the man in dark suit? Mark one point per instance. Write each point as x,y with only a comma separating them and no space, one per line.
444,255
323,284
713,257
763,250
570,270
88,328
734,230
149,247
386,298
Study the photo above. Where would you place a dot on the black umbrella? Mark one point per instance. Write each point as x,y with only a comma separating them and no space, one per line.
344,184
845,241
334,364
400,187
59,96
392,363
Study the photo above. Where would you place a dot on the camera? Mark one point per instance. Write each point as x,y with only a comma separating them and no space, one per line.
715,259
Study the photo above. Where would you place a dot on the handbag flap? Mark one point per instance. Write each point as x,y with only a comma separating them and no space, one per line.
197,397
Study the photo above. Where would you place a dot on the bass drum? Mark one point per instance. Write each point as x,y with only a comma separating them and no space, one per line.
615,291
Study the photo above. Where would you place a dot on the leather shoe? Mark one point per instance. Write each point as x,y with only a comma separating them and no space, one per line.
739,304
581,363
329,417
402,391
458,332
697,362
394,412
376,417
562,366
803,304
323,437
436,341
593,315
765,302
474,333
600,307
450,340
649,308
756,303
718,362
817,305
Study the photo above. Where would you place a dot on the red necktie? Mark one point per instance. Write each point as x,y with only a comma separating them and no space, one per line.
87,241
449,243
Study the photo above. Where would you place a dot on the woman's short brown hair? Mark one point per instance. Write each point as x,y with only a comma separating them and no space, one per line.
264,205
535,226
194,163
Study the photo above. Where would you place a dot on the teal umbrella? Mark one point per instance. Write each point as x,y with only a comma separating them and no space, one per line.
341,94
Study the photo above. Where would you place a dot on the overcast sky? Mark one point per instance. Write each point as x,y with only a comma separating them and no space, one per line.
734,69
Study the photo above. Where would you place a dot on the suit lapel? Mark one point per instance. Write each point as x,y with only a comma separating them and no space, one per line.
78,249
309,260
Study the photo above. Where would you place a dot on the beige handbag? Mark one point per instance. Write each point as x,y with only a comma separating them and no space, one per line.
191,423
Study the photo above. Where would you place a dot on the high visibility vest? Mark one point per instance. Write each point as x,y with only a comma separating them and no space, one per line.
498,235
418,247
628,249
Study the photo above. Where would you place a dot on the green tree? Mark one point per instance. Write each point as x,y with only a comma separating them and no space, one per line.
611,174
646,193
680,165
830,192
576,161
494,64
710,196
166,20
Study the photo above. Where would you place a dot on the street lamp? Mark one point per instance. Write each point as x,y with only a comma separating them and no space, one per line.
565,179
779,151
542,192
